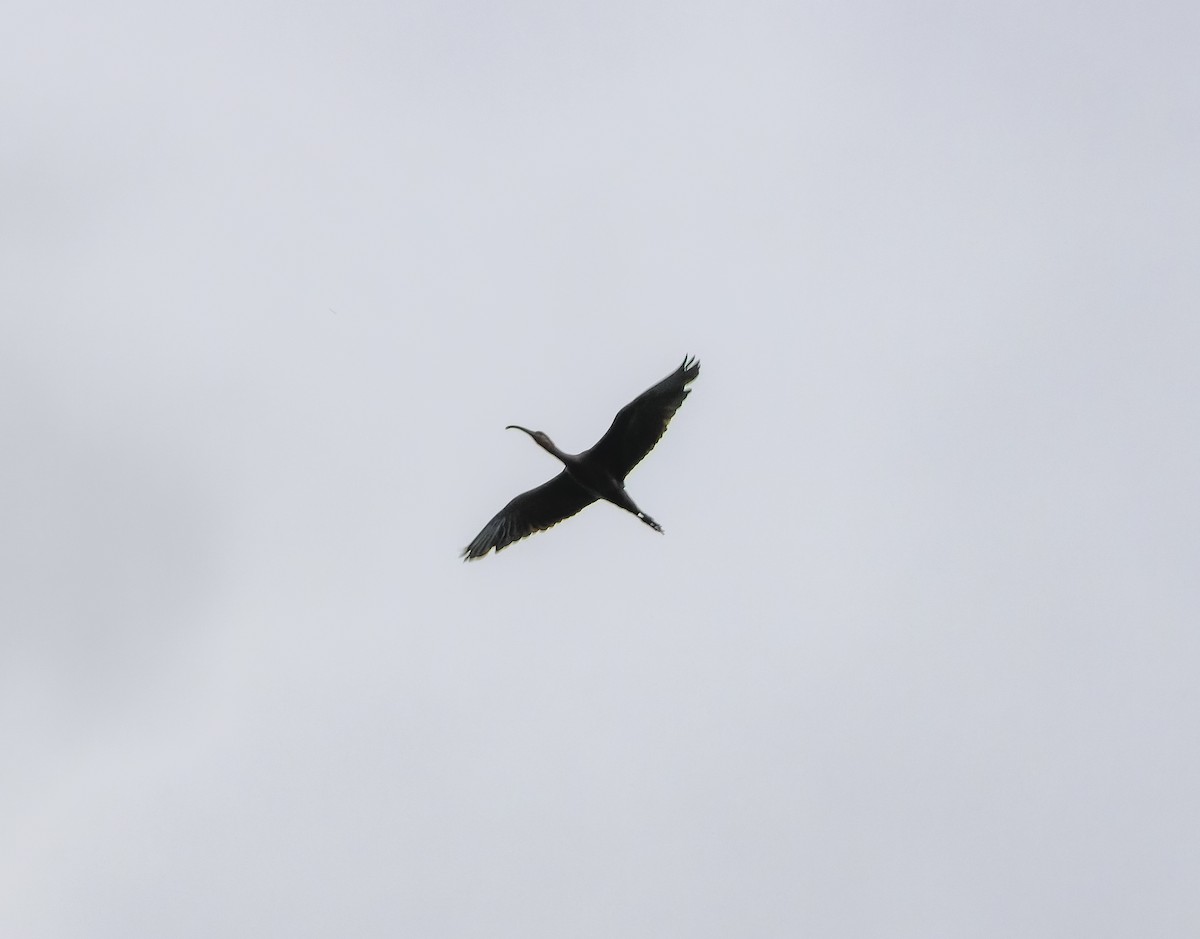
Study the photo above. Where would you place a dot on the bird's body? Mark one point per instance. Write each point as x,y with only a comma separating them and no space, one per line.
598,473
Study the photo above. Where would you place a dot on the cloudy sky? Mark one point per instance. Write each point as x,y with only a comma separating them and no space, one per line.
917,654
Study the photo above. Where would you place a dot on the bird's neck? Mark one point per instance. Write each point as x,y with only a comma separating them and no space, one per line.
549,447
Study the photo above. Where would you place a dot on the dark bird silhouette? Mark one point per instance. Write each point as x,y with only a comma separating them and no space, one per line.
598,473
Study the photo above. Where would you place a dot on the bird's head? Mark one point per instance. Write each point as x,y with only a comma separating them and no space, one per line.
539,437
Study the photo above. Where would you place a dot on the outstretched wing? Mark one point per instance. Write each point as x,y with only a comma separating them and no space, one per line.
641,423
535,510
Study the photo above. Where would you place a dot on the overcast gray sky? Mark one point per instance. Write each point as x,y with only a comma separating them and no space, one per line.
918,653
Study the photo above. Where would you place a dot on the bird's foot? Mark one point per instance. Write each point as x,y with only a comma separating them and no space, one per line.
651,522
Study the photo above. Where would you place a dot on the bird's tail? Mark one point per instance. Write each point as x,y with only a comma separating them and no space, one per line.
651,522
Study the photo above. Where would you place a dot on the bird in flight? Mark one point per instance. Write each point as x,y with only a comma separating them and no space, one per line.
598,473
